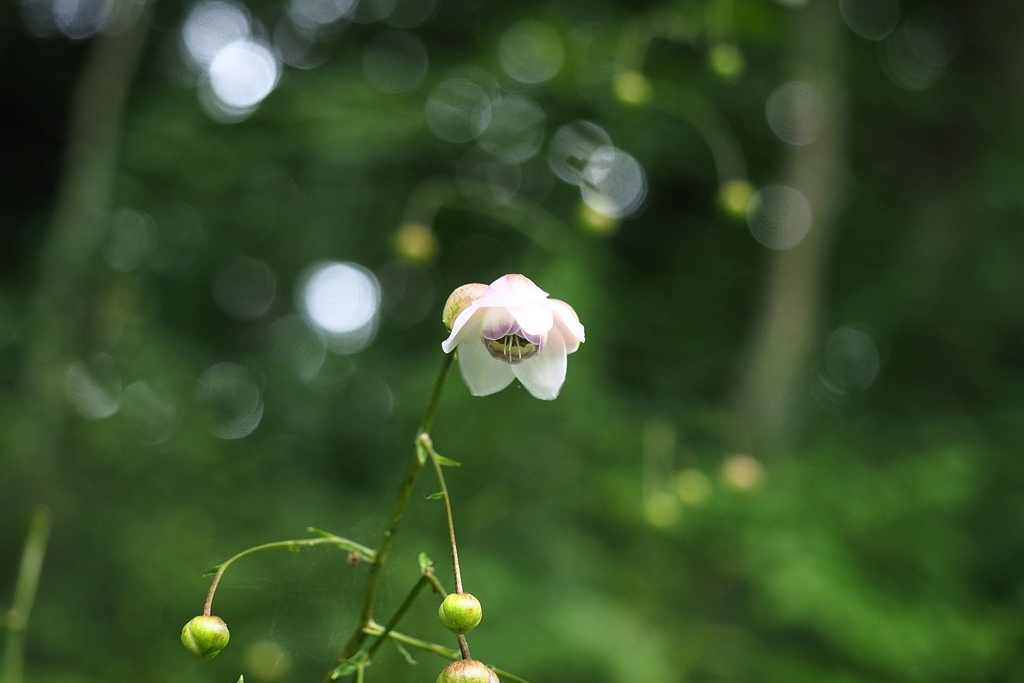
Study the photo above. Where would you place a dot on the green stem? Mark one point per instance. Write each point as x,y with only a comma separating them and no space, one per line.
358,636
436,460
448,511
437,585
435,395
360,550
375,629
25,594
399,613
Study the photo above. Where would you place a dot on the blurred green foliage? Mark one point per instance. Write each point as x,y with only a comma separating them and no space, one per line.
627,532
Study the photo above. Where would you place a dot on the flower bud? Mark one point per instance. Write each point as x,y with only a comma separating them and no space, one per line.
205,636
467,671
460,612
459,299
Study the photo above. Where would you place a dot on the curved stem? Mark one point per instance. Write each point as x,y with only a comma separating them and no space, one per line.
358,636
362,551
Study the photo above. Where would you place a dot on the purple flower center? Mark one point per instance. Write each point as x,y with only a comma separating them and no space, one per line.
515,345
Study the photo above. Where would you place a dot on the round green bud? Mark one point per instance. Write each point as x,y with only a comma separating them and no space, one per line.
460,612
467,671
458,300
205,636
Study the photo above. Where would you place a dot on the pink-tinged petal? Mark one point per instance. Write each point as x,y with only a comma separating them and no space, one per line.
534,318
497,322
571,345
567,315
544,374
466,326
512,290
483,373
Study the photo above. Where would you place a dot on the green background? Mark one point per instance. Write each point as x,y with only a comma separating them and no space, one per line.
876,535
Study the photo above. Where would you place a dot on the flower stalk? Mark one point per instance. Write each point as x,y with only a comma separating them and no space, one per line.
358,636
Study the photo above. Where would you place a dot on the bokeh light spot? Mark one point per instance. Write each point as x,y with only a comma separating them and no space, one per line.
266,660
613,183
415,242
395,62
229,396
244,288
743,473
312,14
242,74
458,110
852,360
370,11
734,197
871,19
692,486
93,387
794,113
212,25
779,216
342,300
531,52
303,346
130,239
516,130
149,412
571,148
80,19
917,54
632,88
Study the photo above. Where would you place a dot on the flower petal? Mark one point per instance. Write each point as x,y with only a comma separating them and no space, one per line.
534,318
464,328
497,322
567,315
511,290
483,373
544,374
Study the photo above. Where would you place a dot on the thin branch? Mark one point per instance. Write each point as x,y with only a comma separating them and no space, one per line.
436,460
358,636
399,613
362,551
375,629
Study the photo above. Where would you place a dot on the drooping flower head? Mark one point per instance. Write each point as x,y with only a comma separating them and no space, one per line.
511,330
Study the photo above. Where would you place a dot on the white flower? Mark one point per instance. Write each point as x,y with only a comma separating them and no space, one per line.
512,330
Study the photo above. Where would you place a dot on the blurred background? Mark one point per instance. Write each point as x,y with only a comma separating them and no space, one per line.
790,449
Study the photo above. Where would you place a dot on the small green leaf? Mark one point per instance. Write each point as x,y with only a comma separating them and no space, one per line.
350,665
241,679
405,653
435,496
211,571
447,462
421,453
293,548
425,563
